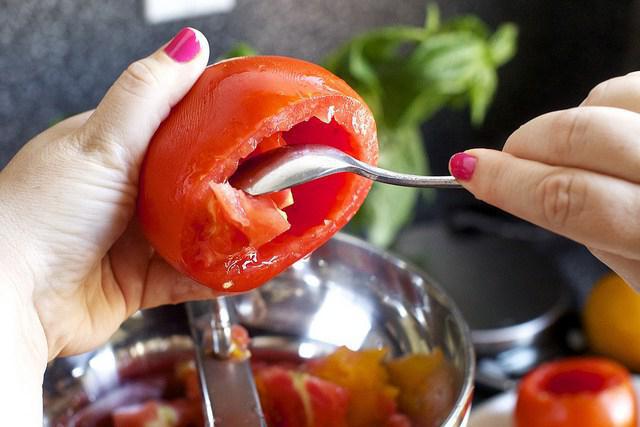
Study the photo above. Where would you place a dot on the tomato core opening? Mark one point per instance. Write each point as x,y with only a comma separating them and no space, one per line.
574,382
313,201
238,223
310,204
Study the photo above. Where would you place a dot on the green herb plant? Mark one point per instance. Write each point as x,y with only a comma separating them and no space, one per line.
406,74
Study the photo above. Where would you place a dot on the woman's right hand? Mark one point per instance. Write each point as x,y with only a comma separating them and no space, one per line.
575,172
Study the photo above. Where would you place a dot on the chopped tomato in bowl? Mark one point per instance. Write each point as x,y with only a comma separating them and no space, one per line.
218,235
347,388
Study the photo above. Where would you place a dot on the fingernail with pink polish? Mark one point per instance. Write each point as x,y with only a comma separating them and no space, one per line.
184,46
462,166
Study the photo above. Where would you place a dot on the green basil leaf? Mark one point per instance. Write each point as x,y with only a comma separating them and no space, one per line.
481,93
432,18
502,43
467,24
240,49
388,208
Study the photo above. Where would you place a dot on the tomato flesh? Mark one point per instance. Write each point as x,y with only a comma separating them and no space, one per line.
261,221
269,143
313,201
258,218
575,381
295,399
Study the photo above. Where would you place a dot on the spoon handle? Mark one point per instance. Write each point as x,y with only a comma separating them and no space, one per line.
289,166
405,180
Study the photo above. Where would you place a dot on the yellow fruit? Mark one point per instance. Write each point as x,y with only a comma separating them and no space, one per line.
612,321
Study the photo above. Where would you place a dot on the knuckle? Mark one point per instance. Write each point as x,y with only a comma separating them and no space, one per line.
598,93
490,187
97,145
493,190
187,289
511,145
621,92
570,127
562,198
139,78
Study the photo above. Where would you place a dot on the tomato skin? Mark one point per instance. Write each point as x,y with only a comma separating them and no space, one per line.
232,107
577,392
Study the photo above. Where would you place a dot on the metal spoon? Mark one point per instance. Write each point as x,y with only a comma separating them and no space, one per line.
289,166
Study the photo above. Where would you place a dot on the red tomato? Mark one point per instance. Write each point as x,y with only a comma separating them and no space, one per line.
229,241
577,392
296,399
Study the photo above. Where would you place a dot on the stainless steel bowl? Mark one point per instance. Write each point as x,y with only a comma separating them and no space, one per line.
346,293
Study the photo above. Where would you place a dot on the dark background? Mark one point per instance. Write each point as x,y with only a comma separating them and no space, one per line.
58,57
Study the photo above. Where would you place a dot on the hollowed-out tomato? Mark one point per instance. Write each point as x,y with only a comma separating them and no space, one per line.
577,392
220,236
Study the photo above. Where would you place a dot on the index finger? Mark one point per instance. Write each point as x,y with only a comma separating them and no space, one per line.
597,210
620,92
600,139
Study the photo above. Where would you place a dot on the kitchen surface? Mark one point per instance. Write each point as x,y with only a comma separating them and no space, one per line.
492,296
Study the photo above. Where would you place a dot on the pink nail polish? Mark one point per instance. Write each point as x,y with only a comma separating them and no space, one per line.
184,46
462,166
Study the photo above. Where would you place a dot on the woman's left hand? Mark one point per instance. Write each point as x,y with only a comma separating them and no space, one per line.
73,260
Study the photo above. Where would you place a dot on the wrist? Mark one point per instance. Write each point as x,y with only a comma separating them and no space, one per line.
25,355
17,250
24,359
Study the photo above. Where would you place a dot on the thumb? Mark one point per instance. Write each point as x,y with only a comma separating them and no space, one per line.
143,96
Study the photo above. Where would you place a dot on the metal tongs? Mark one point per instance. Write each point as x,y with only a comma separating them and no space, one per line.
229,394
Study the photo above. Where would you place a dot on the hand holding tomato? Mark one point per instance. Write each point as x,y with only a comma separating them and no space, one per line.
70,245
218,235
74,258
73,261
